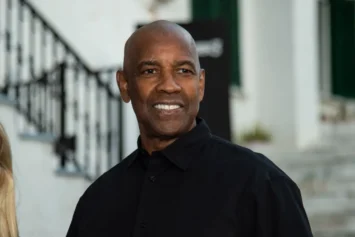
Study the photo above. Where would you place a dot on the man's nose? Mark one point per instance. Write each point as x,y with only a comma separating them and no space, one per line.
168,83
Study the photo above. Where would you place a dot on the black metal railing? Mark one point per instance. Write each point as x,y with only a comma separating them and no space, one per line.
39,100
57,93
93,121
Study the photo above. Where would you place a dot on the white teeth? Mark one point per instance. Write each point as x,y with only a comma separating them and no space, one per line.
166,107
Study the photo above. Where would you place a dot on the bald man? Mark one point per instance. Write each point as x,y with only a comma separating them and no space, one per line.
182,181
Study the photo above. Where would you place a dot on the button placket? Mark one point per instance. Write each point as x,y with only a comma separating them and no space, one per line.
142,215
155,167
152,171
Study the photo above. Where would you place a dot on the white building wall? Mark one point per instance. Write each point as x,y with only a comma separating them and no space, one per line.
243,106
45,202
99,29
280,70
306,73
275,69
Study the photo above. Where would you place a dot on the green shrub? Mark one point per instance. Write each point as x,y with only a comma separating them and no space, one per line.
257,133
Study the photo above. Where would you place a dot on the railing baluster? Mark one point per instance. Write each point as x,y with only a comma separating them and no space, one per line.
98,125
50,86
19,50
76,95
87,124
31,97
63,108
45,109
8,27
54,88
109,131
43,47
120,129
29,102
55,50
42,95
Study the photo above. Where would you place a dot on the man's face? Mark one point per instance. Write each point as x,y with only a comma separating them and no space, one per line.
164,83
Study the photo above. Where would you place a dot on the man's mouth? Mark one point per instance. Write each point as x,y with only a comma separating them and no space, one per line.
167,106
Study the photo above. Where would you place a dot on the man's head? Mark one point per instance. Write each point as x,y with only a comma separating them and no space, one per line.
162,78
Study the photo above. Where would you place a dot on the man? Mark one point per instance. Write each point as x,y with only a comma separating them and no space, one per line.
183,181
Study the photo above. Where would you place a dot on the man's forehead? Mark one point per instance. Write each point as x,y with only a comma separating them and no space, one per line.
157,39
163,44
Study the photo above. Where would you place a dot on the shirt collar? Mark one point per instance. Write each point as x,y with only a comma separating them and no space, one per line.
185,148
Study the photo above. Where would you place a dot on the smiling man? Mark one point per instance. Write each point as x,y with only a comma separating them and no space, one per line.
183,181
163,80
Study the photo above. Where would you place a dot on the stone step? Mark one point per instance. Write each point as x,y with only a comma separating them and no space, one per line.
333,222
333,233
332,188
334,217
336,225
323,204
343,188
326,159
325,171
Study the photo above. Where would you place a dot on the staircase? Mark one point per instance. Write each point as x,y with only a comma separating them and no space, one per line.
59,99
326,178
64,120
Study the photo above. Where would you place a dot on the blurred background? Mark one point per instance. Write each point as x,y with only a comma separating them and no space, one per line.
280,79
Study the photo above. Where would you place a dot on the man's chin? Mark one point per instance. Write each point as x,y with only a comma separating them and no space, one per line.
169,132
172,128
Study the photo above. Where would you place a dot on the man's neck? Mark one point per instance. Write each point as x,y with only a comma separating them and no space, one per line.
151,144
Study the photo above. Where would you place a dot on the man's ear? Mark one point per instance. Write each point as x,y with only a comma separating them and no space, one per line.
123,86
201,84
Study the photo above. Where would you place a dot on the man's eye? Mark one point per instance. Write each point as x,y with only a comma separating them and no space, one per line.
149,71
184,70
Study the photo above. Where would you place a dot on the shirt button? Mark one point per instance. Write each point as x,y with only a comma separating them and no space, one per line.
152,178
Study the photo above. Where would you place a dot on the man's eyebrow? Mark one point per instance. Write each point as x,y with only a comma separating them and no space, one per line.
148,63
185,62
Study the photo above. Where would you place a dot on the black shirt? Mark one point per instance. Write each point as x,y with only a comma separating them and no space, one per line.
199,186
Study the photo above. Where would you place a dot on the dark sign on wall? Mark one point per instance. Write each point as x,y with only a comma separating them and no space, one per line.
213,46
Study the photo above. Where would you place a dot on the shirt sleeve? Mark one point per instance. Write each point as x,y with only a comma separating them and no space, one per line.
279,210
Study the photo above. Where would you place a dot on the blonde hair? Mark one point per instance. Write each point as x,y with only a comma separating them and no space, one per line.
8,222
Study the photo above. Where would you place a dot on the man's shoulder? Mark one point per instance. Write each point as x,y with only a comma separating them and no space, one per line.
110,177
245,159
